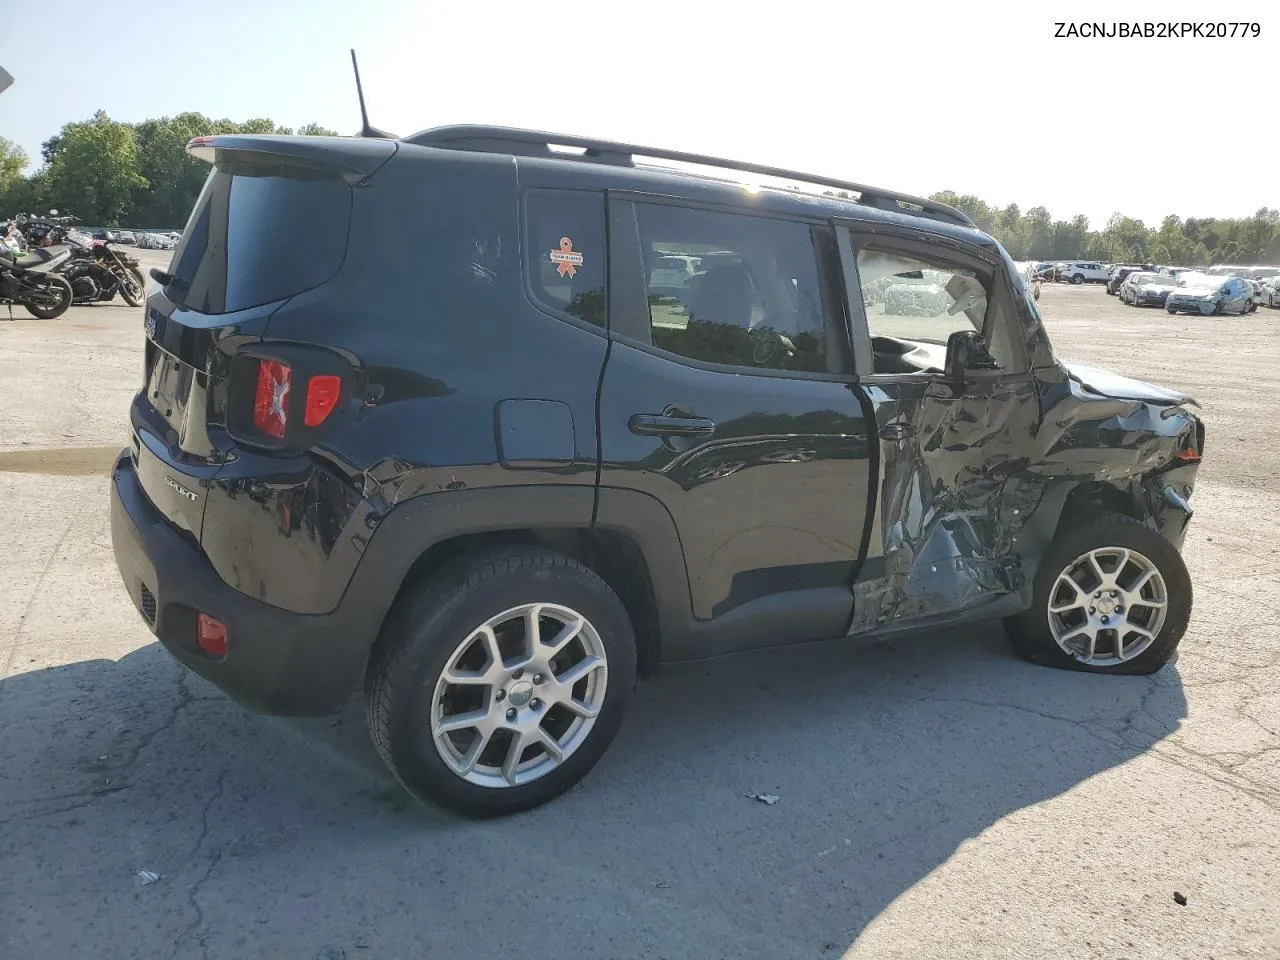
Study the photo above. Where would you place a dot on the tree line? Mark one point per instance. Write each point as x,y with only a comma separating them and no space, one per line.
1035,235
110,173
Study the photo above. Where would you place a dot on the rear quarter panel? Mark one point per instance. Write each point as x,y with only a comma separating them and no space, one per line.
430,310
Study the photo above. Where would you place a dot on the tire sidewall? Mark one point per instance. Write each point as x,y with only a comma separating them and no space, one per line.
432,638
63,305
1030,630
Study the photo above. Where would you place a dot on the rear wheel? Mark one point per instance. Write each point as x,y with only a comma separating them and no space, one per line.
1110,596
499,683
132,287
50,302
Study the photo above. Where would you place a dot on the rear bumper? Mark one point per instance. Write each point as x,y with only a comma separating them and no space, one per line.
277,661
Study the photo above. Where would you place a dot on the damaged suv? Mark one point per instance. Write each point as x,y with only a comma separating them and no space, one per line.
491,429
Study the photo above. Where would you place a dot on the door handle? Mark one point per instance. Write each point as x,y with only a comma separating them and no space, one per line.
896,431
664,425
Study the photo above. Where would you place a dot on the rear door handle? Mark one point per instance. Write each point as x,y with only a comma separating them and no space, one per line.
896,431
662,425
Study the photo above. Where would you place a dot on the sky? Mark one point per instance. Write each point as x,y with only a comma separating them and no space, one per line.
979,98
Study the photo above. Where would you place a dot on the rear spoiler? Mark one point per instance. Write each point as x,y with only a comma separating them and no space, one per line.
355,158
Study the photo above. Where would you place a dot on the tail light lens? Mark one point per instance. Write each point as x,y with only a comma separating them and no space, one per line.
271,401
323,391
284,396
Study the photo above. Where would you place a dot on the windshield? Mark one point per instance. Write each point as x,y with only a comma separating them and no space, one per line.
1266,273
1150,278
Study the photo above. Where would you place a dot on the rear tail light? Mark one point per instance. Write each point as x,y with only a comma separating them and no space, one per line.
211,635
271,401
285,396
322,396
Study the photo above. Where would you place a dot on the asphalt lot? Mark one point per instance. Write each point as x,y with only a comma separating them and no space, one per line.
939,797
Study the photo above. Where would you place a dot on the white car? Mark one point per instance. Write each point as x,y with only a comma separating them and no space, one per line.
1083,271
1270,295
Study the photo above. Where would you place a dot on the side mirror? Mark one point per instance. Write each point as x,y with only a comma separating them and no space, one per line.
966,351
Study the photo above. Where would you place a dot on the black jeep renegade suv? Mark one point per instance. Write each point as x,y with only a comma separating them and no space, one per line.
491,429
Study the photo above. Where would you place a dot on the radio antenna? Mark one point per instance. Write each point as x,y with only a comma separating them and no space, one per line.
365,129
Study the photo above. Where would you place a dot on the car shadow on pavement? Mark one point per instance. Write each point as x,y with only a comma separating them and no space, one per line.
274,837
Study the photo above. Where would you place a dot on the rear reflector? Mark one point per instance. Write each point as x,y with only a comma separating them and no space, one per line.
271,400
211,635
322,397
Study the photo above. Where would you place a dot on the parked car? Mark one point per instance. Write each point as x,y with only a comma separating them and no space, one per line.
1270,295
1145,289
1122,270
414,420
1244,273
1082,271
1210,294
125,236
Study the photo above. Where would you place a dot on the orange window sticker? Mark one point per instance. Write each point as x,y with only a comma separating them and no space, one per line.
566,259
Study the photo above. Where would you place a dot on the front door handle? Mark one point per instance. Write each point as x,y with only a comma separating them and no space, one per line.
664,425
896,431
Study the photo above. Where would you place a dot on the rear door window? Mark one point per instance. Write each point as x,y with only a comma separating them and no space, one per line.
258,233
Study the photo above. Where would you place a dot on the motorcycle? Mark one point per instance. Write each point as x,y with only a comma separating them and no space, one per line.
28,279
96,270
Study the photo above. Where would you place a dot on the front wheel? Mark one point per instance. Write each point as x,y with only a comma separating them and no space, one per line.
50,302
132,287
1171,310
1111,596
497,684
1078,279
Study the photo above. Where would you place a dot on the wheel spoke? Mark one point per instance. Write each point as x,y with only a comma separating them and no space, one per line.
1135,591
566,634
1097,570
491,648
551,745
579,670
467,762
462,721
1077,595
512,760
584,710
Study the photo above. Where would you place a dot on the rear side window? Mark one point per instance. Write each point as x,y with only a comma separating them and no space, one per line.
258,233
565,255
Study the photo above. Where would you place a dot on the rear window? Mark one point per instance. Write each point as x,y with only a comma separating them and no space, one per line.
258,233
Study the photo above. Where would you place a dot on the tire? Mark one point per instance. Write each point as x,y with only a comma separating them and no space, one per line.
1030,633
1077,279
57,310
1171,310
429,629
132,298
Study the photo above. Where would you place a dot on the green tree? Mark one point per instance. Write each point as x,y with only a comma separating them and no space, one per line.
13,160
315,130
93,169
173,178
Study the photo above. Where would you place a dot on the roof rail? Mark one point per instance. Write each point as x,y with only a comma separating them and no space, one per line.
534,143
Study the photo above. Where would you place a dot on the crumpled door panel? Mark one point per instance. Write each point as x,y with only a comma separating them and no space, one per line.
971,496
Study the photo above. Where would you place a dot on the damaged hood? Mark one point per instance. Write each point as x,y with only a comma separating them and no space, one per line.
1110,384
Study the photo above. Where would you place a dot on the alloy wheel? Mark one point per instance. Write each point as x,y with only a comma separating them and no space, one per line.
1107,606
519,695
